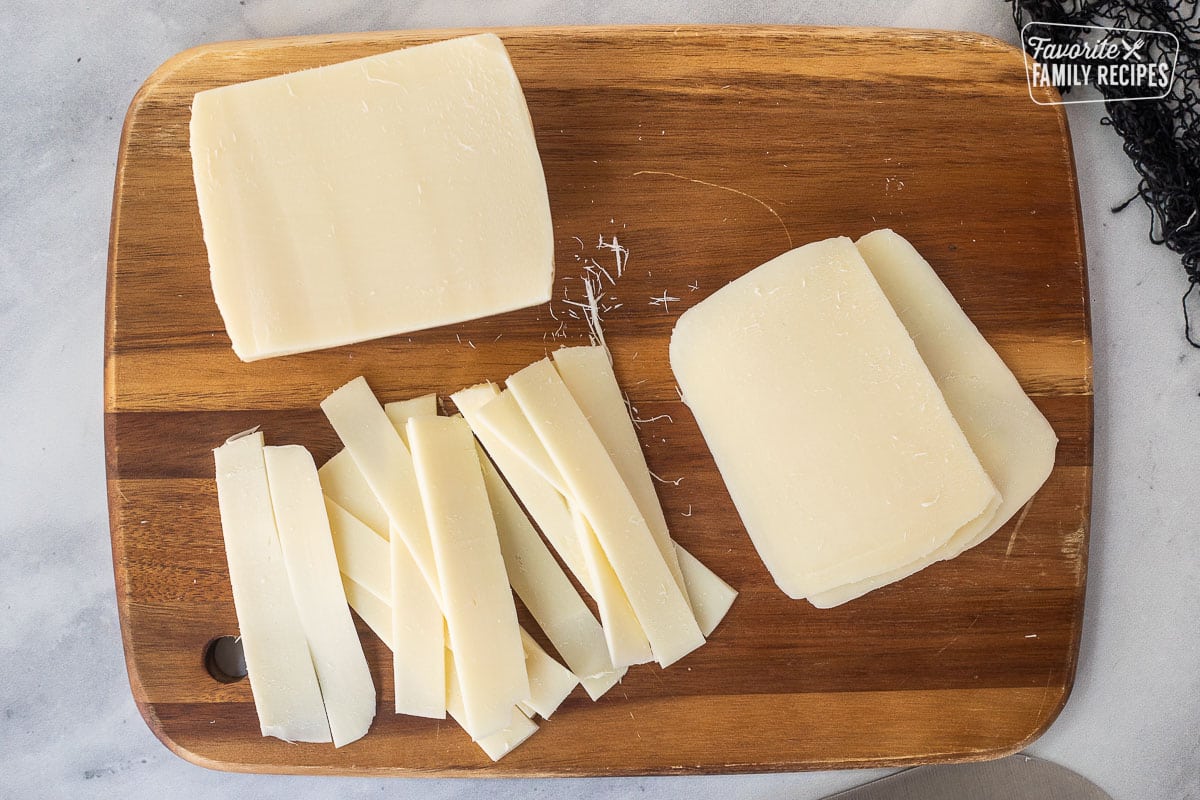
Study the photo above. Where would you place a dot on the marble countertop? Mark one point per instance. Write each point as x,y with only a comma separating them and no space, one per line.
68,724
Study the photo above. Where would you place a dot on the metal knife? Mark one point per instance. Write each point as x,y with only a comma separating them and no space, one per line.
1018,777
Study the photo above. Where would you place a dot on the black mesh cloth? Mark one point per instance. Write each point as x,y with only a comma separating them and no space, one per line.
1162,137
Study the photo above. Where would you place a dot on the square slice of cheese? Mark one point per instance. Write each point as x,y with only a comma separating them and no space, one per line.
833,439
372,197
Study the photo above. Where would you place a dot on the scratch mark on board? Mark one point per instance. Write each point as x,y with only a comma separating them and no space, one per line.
774,213
958,635
1012,540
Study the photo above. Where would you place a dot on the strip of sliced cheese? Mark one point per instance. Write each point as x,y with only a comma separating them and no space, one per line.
417,634
547,592
503,418
499,743
384,461
419,639
533,573
627,642
374,611
597,488
372,197
343,483
835,443
589,377
1008,434
401,411
539,496
365,557
283,681
501,424
418,627
549,681
361,552
545,504
711,597
312,568
476,599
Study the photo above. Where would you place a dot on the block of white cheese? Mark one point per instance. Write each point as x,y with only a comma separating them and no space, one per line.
833,439
286,693
1012,439
589,376
372,197
547,592
596,487
476,599
312,568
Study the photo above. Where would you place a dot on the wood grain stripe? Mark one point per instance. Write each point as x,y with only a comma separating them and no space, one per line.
760,733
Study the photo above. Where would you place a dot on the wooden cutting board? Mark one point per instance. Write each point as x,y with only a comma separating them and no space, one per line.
705,151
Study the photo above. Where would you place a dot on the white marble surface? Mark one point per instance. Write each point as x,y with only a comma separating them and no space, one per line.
68,725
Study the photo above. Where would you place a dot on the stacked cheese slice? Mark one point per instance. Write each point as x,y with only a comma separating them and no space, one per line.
431,542
863,426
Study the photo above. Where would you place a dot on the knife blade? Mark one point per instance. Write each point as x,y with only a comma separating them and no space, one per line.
1018,777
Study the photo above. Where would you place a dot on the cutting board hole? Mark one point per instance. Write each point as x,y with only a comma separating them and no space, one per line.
224,659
